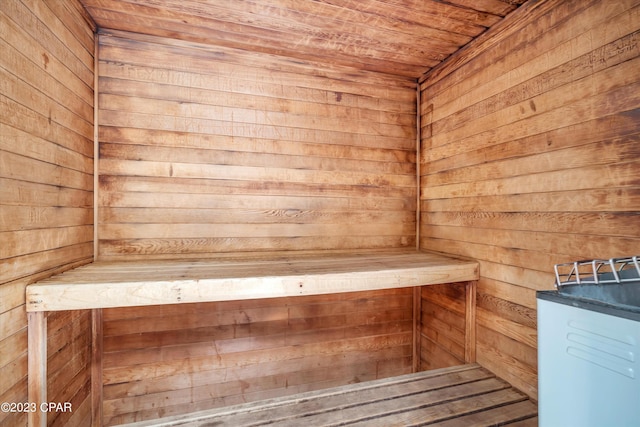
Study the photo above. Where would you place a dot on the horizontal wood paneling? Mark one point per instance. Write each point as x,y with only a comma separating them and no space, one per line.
442,326
46,187
530,158
506,327
173,359
69,366
207,150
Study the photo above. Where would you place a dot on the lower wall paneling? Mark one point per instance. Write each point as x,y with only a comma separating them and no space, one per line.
167,360
507,336
13,353
69,366
442,326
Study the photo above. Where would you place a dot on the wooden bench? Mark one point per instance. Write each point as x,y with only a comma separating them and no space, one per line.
140,283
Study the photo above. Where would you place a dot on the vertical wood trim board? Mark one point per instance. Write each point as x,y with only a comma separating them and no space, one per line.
418,150
46,180
96,147
531,160
97,350
417,319
470,322
37,364
207,151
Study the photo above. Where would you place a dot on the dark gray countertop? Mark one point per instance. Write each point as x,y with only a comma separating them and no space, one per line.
618,310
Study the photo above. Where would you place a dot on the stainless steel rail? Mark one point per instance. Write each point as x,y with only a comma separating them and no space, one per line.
614,270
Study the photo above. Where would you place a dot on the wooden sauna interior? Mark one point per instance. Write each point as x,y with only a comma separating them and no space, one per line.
502,131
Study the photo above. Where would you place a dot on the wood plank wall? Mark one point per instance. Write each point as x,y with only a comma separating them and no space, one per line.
206,150
531,157
46,190
168,360
442,326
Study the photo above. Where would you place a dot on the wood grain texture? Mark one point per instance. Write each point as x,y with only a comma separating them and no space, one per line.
457,396
46,123
69,366
530,158
443,327
140,283
37,333
404,38
175,359
205,151
97,350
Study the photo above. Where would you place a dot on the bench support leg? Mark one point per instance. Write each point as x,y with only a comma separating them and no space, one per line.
96,367
37,365
470,322
417,329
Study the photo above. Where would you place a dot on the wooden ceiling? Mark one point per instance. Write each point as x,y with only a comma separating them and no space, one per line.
400,37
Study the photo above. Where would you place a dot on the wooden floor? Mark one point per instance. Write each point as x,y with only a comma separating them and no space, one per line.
466,395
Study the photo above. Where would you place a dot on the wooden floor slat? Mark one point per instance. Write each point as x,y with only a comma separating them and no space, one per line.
317,411
521,411
459,396
382,411
529,422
